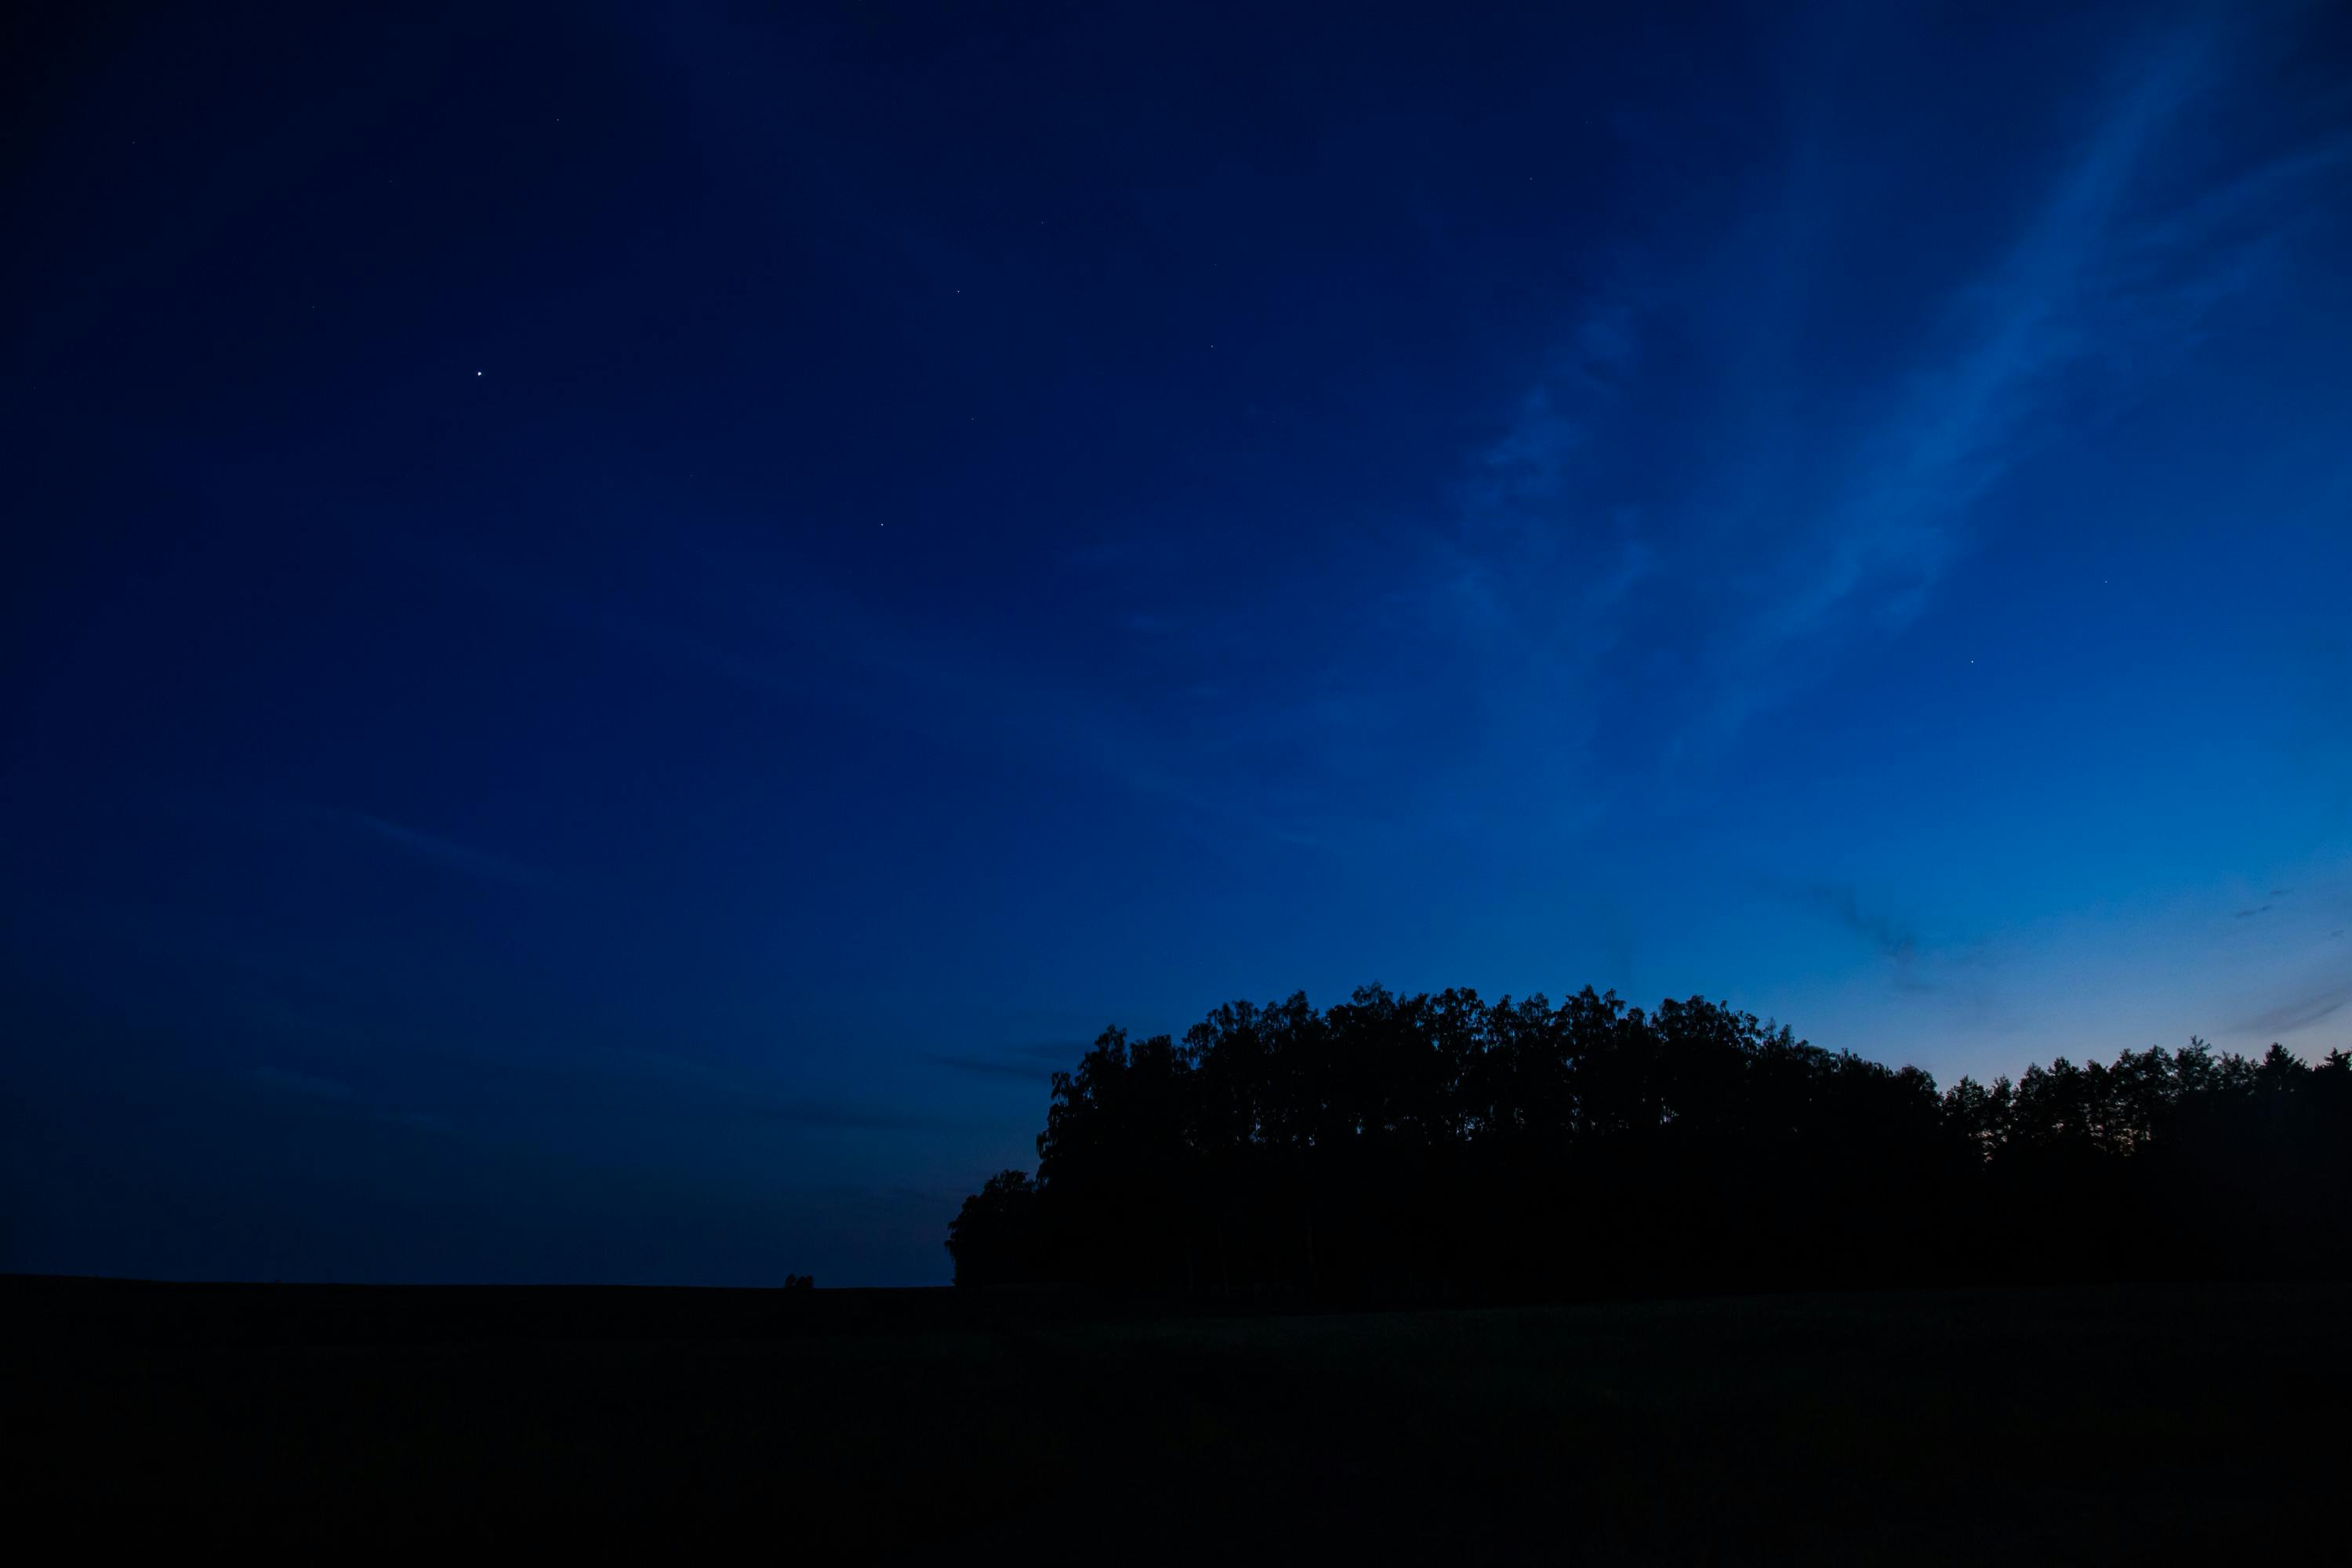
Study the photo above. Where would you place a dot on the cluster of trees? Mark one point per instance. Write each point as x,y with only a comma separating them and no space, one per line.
1443,1147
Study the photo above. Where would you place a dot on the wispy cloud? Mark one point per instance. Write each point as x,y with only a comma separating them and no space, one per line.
1060,1052
1024,1064
1977,406
1528,465
2116,268
447,852
768,619
1546,596
1485,620
992,1067
1516,603
2300,1013
1892,938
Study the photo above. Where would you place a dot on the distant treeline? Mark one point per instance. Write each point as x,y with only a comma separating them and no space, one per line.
1441,1147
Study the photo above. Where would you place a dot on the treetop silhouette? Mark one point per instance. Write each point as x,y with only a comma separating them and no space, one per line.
1444,1147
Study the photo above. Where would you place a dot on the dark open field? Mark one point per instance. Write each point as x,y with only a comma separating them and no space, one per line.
2076,1425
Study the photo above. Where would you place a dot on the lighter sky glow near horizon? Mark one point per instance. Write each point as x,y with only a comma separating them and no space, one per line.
989,528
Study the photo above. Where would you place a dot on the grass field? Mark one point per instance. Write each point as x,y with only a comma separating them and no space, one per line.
2077,1426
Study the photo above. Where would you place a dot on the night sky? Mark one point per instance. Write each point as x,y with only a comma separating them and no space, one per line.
622,623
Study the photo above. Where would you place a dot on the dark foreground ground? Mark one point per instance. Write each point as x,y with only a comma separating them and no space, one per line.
2102,1425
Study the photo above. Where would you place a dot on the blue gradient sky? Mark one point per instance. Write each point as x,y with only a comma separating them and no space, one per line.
623,624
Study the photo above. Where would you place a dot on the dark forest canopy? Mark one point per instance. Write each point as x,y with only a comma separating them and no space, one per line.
1443,1147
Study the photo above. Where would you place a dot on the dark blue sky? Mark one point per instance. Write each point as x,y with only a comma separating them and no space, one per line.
624,623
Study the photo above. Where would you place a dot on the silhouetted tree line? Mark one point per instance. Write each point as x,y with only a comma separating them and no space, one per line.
1443,1147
